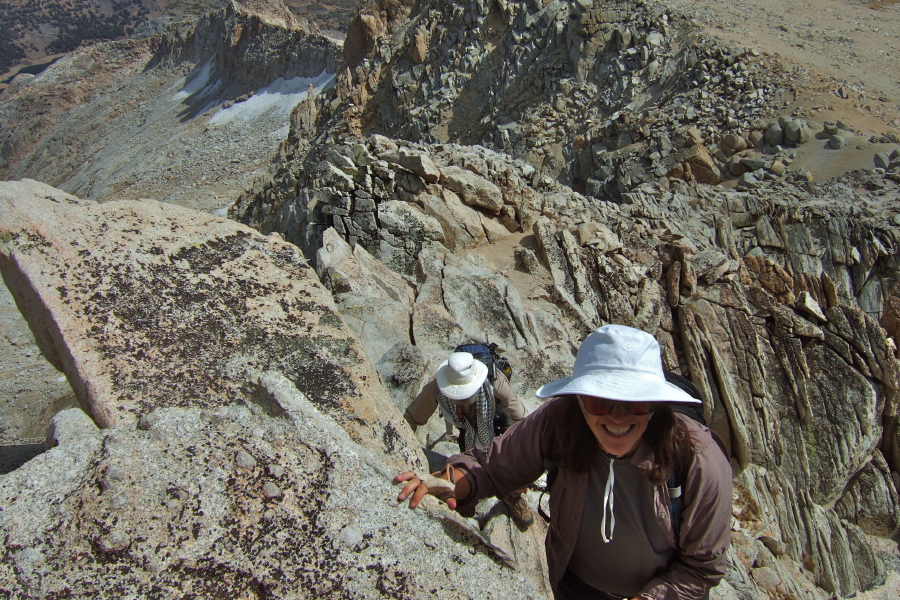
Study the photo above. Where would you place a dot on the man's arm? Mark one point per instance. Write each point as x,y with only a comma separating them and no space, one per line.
507,398
420,410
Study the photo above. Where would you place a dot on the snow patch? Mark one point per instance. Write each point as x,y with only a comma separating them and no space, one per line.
279,98
199,80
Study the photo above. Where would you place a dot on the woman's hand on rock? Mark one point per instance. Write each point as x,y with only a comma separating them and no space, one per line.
439,484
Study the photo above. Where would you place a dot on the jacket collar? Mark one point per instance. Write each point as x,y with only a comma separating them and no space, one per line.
642,457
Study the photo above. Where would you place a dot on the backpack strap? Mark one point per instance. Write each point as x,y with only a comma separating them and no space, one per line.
676,500
552,472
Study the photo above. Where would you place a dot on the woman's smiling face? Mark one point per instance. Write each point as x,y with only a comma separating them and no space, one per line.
619,431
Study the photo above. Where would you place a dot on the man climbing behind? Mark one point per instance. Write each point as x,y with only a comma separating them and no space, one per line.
478,407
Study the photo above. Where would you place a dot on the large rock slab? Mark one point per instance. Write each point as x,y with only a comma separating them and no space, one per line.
145,305
473,189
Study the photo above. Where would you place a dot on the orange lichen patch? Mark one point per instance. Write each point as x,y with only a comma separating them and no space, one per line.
236,34
772,277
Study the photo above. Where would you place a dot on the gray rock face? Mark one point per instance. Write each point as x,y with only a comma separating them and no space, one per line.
224,501
246,443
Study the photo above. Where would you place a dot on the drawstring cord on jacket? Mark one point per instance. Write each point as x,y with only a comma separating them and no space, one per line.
608,501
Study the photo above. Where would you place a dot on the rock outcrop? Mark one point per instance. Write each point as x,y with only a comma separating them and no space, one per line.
246,444
139,318
600,95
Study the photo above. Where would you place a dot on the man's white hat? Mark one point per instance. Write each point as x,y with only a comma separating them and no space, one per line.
618,363
460,376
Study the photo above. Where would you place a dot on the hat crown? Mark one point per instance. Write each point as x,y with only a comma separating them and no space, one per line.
459,368
460,376
622,348
618,363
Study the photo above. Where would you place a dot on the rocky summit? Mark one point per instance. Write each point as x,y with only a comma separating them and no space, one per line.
246,246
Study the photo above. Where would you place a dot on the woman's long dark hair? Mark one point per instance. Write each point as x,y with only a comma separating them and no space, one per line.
573,445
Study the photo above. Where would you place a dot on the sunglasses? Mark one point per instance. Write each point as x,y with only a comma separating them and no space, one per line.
600,407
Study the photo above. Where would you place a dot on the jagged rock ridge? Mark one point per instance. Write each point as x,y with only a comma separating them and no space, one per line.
584,91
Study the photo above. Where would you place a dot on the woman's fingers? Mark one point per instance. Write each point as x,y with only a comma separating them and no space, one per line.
406,476
416,489
418,495
412,482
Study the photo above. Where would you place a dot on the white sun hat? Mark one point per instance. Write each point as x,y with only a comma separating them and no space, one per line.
618,363
461,375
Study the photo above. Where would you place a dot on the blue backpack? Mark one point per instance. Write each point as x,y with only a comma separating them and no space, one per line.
489,355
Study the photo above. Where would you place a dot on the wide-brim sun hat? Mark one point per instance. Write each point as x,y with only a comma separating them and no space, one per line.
618,363
460,376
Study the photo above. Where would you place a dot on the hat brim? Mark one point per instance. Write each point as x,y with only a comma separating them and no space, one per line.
461,392
616,384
